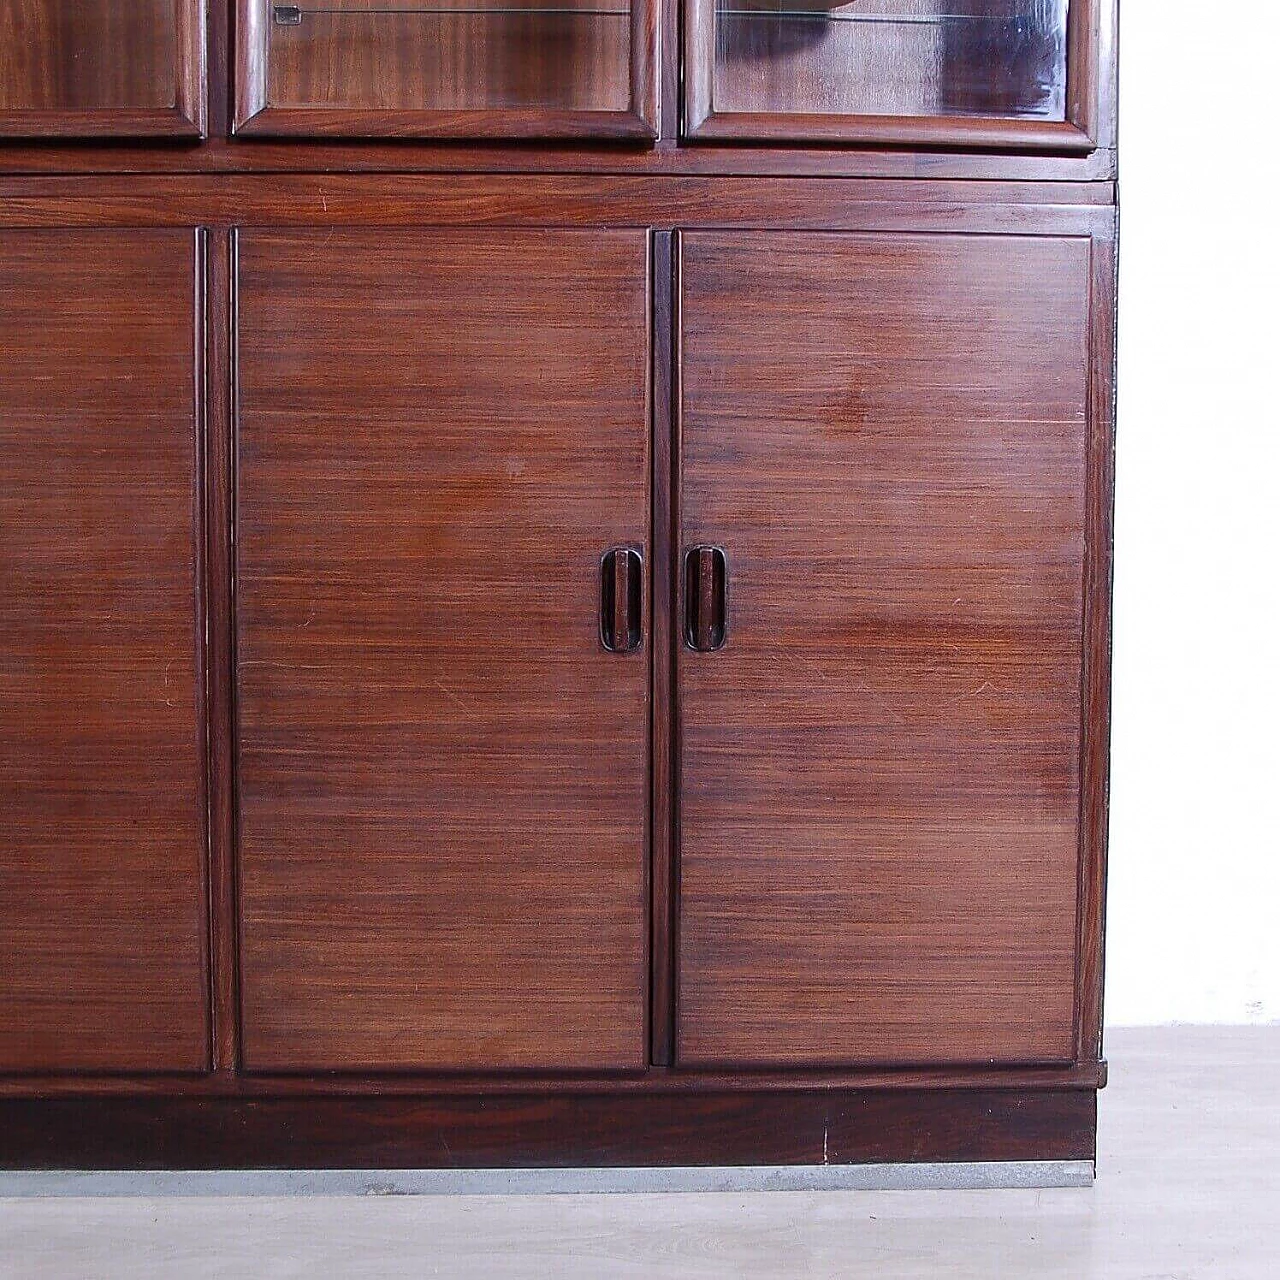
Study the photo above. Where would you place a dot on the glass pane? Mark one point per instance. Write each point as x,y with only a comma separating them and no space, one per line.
893,57
87,55
451,55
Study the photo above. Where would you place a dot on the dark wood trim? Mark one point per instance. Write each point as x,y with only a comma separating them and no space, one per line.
1054,136
531,123
164,122
663,746
677,610
1096,675
1085,1075
203,605
186,118
1077,134
557,200
698,60
219,320
251,34
669,66
245,154
803,1127
218,79
192,67
1085,25
256,117
646,67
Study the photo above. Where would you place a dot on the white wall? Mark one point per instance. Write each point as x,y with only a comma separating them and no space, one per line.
1194,913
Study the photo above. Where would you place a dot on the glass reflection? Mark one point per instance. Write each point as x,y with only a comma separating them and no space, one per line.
893,57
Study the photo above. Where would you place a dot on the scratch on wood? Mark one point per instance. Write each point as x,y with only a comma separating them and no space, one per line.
453,697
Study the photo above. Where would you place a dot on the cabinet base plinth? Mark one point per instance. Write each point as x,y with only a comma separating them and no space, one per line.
827,1127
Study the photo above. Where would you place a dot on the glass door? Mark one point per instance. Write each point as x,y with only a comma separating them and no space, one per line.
1014,74
448,68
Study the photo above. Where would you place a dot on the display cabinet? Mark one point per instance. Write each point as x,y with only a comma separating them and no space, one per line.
555,582
100,68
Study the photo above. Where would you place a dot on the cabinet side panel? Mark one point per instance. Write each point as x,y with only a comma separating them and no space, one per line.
101,798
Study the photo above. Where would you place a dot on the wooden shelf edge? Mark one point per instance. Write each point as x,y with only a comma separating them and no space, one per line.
655,1081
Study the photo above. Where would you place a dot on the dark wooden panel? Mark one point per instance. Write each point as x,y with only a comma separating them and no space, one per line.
443,780
92,68
101,798
465,60
1096,685
881,769
663,738
798,1127
219,339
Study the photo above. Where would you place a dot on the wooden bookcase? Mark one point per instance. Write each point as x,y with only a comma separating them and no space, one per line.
554,581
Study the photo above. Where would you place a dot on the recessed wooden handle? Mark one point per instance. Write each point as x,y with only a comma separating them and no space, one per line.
621,599
706,573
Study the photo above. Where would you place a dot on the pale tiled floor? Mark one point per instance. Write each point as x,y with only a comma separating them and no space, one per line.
1188,1189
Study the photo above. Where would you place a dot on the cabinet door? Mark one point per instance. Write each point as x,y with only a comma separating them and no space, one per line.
101,798
452,68
101,68
443,772
881,766
1013,74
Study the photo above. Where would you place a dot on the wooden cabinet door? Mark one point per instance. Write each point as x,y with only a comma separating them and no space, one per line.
101,68
452,69
886,436
442,770
102,957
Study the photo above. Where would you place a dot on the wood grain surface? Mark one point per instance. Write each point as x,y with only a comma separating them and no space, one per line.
87,54
93,68
102,926
458,58
443,774
880,773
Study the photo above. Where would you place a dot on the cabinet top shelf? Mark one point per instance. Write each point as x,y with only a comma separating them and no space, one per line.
292,15
835,14
769,10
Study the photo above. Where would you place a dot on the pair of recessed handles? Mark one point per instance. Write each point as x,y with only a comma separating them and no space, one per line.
705,621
